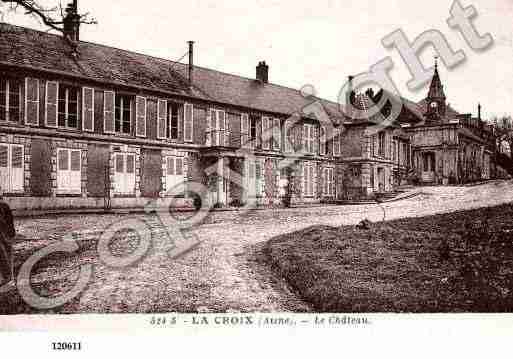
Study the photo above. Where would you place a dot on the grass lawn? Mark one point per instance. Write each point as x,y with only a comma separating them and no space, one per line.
456,262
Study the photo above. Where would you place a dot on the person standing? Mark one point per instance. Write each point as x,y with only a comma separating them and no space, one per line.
7,233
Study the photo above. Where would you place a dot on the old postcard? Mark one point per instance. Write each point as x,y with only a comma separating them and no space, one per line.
259,170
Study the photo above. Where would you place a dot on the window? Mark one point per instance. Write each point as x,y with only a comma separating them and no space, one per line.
276,143
122,114
124,173
174,175
255,180
309,138
323,143
69,171
328,182
67,107
405,154
218,134
11,167
253,125
308,180
9,100
175,112
381,144
244,130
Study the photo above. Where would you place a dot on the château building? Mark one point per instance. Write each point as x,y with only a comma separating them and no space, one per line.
84,125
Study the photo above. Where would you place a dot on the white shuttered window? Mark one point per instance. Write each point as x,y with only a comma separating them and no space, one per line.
124,173
11,167
69,173
174,175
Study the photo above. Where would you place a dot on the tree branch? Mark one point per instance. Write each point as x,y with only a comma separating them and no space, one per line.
46,15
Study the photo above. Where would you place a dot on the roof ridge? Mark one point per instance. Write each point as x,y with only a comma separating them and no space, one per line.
165,60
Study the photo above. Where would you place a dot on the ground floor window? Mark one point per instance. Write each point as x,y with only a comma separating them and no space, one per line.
255,179
174,175
308,180
124,173
69,174
328,185
11,168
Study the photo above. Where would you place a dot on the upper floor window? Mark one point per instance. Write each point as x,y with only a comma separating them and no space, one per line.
123,114
174,112
67,106
9,100
381,143
253,125
309,138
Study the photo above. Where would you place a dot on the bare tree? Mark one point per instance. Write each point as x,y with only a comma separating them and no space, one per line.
504,131
52,17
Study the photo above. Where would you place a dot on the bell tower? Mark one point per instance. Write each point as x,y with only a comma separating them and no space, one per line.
436,100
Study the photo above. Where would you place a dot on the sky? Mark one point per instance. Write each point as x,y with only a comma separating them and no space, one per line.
316,42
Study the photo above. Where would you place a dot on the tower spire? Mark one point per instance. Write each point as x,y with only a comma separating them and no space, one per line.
436,89
436,96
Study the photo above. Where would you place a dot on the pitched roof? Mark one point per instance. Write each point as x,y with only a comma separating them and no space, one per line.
43,51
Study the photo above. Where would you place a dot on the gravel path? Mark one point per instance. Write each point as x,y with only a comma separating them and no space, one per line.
226,272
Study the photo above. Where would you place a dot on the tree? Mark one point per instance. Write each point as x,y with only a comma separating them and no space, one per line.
52,17
504,132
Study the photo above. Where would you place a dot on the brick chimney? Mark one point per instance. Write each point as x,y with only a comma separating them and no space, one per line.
262,72
72,22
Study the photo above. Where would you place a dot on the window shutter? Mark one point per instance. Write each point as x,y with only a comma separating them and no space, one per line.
130,164
179,167
259,133
305,138
315,139
244,130
130,173
188,122
4,168
336,143
88,109
266,134
140,116
277,134
31,101
213,128
63,160
75,170
52,89
119,173
221,120
17,164
322,140
288,136
108,112
161,119
170,166
62,169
